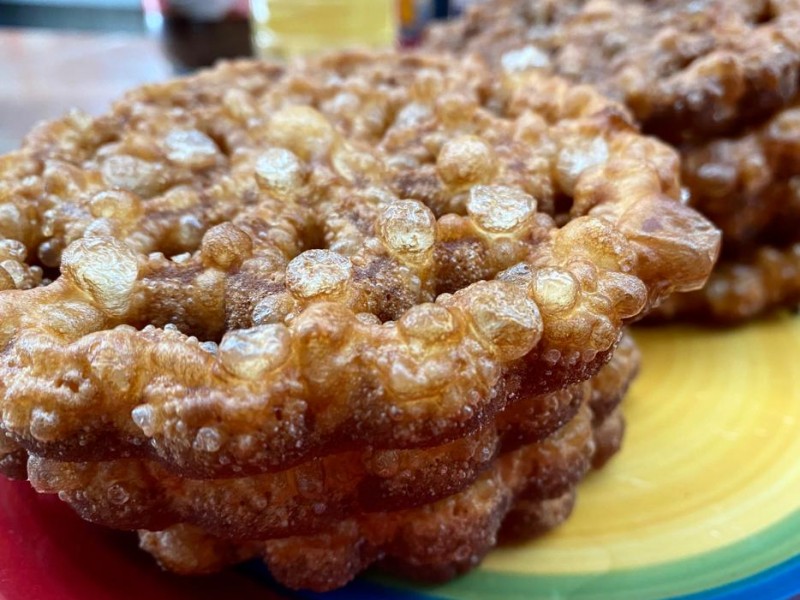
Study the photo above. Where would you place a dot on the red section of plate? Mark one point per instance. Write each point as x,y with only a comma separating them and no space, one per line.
48,553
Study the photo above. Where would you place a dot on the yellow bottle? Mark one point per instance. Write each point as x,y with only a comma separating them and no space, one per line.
287,28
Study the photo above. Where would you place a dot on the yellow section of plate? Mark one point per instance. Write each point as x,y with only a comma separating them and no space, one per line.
710,455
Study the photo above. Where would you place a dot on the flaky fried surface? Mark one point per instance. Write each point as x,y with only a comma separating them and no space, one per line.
13,459
750,185
686,70
258,266
742,288
533,485
718,79
313,496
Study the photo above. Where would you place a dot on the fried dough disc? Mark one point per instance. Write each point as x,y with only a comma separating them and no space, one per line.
259,265
136,494
742,288
688,71
716,78
530,489
749,185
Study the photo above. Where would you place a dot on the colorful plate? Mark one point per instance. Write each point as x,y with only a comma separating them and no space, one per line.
702,503
704,500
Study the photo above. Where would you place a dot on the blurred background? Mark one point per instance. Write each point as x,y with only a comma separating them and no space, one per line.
61,54
225,25
92,15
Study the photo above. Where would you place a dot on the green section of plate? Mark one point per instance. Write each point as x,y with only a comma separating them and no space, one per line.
756,554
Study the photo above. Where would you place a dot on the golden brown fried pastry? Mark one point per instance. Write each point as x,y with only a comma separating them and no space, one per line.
350,310
258,266
716,78
742,288
526,491
687,70
750,185
13,459
308,498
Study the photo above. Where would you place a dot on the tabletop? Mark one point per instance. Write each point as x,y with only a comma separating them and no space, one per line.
44,74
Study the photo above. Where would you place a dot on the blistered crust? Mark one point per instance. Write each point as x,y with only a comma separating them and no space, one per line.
526,492
748,184
742,288
686,70
717,79
136,494
257,266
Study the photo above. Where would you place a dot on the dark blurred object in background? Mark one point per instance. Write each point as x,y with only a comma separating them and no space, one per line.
415,15
456,7
441,9
75,15
197,33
